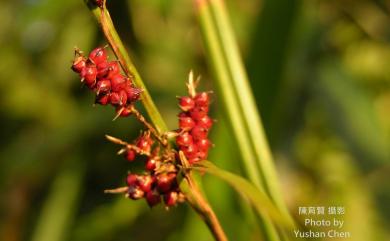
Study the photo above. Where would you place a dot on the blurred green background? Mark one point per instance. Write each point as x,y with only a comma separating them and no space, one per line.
320,74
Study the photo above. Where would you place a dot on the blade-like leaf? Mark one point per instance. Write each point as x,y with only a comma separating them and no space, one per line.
260,201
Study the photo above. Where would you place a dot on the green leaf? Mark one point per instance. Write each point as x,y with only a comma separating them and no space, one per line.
260,201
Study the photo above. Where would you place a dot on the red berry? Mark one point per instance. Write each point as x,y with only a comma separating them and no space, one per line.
205,122
202,99
145,183
89,75
118,99
118,82
152,198
135,192
130,155
170,199
184,139
203,144
193,160
198,113
202,154
145,143
186,103
199,132
113,69
102,69
186,123
102,99
151,164
165,181
132,179
103,86
133,94
78,64
124,111
98,55
190,151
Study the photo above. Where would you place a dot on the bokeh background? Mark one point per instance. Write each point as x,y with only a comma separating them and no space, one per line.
320,74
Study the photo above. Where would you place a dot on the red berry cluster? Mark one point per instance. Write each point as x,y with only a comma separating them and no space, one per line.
106,80
194,124
159,180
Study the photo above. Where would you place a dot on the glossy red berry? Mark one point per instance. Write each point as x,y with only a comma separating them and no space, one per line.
78,64
202,154
202,99
170,198
118,82
103,86
184,139
133,94
124,111
132,179
145,143
198,113
113,69
135,192
130,155
205,122
145,182
102,99
203,144
88,74
190,151
186,123
152,198
186,103
151,164
98,55
165,181
199,132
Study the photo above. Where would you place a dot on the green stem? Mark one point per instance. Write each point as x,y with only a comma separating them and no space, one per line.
239,103
127,65
194,196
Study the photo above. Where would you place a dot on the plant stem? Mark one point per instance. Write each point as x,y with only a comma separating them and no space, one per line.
239,103
194,196
103,17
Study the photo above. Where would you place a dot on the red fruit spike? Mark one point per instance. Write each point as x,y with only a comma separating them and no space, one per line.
170,199
98,55
186,103
202,99
203,144
186,123
198,113
89,75
132,179
118,82
102,99
165,181
151,164
135,193
113,69
103,86
199,132
184,139
79,64
145,183
152,198
205,122
130,155
190,151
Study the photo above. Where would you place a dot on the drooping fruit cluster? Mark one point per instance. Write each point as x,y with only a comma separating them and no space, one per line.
159,180
194,124
106,80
